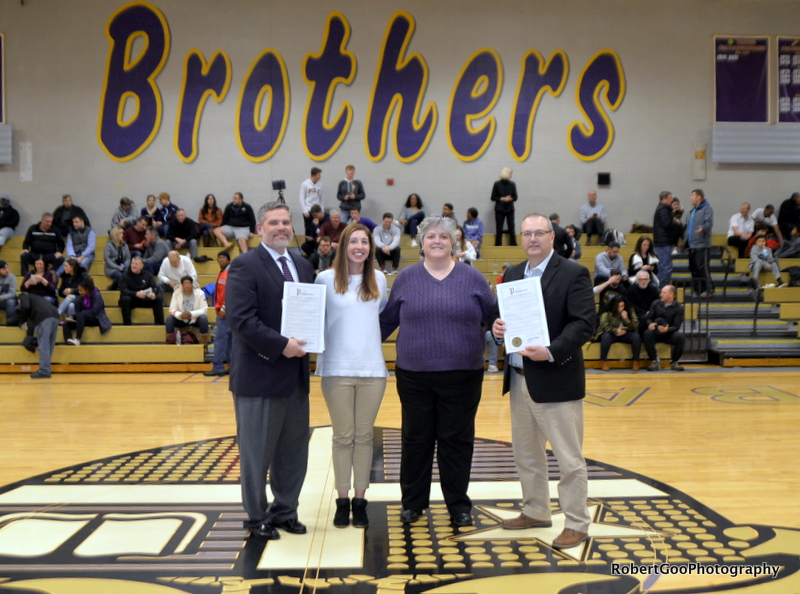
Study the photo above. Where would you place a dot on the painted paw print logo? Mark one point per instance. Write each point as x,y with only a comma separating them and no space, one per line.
169,520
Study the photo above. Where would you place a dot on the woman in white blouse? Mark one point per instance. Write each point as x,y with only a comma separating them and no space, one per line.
352,367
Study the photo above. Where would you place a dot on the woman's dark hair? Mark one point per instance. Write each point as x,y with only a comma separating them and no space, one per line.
408,200
46,265
638,248
75,265
613,305
187,277
87,283
207,207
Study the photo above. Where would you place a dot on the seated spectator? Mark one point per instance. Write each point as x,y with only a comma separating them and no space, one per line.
210,218
312,226
761,258
387,244
126,214
116,257
150,210
791,247
223,338
8,291
574,236
447,212
42,240
81,243
188,308
355,217
788,214
64,214
238,222
593,218
174,268
135,237
664,321
9,219
139,288
411,215
606,261
164,214
562,244
333,228
641,295
609,290
182,234
619,323
41,281
90,310
71,278
155,250
322,259
766,216
741,229
463,250
473,230
644,258
761,231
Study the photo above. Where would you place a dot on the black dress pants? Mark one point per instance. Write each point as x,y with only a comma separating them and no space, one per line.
701,275
127,304
438,410
501,216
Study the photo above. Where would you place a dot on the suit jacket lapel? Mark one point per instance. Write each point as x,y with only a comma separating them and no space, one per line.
271,266
550,271
299,269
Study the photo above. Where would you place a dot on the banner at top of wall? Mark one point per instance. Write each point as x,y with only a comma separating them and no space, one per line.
789,79
741,79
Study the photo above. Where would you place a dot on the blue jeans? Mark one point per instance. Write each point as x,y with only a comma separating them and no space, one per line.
10,305
68,306
664,255
222,345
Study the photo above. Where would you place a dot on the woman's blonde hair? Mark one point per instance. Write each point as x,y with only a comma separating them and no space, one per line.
505,173
368,289
116,234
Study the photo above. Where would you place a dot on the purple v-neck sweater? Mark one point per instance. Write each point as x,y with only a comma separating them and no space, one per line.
440,321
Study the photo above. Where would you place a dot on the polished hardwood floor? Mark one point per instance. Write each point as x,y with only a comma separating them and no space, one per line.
728,438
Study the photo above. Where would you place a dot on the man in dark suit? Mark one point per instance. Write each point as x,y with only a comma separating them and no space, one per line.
547,386
269,377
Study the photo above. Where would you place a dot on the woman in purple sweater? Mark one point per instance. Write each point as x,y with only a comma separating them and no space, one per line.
439,305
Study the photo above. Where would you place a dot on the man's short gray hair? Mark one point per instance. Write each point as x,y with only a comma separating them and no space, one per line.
335,211
262,212
432,221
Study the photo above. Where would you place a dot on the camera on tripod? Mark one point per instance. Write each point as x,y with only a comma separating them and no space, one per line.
280,185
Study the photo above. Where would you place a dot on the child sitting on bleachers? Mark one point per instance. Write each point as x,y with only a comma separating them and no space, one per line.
761,258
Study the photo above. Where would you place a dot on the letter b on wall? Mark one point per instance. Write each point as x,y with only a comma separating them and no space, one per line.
130,80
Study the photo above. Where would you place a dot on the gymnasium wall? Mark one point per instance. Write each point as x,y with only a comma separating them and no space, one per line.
645,66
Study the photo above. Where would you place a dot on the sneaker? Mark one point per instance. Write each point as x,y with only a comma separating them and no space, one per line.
770,286
40,375
74,341
414,243
492,369
782,285
391,273
675,366
201,259
654,366
674,252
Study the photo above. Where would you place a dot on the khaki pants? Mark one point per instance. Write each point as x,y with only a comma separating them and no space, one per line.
533,424
353,403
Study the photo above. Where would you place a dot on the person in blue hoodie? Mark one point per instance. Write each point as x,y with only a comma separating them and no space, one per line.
698,240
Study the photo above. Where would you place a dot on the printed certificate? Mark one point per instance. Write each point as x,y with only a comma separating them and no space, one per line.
522,309
303,315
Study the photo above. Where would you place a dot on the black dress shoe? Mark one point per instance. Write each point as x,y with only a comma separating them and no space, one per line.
461,519
213,373
409,516
264,531
292,526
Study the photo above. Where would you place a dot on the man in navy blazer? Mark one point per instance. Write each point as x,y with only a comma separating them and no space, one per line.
269,377
547,386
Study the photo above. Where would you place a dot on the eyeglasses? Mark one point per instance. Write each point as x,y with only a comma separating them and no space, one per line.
538,234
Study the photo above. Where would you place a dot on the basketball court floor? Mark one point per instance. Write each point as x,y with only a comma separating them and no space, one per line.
129,483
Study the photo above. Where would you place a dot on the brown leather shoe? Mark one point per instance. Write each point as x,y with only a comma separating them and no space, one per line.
522,521
604,365
569,538
635,366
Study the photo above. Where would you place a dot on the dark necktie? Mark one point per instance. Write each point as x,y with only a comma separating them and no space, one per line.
287,274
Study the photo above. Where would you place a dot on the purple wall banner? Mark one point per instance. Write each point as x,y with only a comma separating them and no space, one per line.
789,79
2,78
741,79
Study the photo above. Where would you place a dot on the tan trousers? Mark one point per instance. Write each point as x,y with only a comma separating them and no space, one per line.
533,424
353,403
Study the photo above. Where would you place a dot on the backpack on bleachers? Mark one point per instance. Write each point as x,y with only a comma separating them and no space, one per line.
613,235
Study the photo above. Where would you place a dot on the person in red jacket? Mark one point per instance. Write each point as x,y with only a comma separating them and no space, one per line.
222,340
